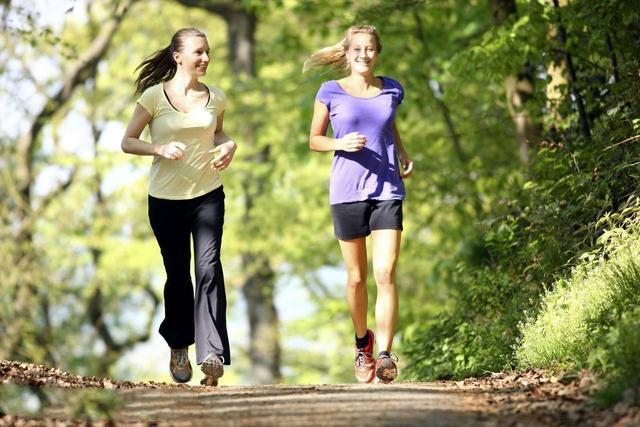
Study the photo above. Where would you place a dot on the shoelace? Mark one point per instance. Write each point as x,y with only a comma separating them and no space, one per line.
219,357
361,358
392,356
182,357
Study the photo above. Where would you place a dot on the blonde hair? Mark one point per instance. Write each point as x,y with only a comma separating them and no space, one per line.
335,56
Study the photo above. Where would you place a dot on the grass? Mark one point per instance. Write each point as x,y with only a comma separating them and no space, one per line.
591,319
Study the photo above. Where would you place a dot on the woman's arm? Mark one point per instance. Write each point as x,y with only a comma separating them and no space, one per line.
132,144
224,147
318,141
403,157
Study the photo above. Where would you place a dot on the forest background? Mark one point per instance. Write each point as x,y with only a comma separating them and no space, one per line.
521,237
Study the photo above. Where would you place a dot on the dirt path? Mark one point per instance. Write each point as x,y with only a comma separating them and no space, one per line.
401,404
530,399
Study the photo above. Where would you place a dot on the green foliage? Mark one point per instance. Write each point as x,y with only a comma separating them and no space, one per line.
541,221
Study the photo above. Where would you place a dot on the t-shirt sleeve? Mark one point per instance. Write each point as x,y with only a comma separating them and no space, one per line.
400,91
148,100
220,98
324,95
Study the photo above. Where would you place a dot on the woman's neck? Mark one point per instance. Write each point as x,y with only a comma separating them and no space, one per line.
183,83
362,80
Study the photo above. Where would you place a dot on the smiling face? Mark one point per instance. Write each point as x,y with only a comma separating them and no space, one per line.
194,56
362,53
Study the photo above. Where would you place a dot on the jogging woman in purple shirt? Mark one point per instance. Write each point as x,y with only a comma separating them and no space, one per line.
366,189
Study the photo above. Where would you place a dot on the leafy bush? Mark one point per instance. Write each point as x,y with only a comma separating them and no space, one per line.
616,356
472,340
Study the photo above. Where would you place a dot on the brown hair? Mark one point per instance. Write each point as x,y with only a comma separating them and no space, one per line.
161,66
335,56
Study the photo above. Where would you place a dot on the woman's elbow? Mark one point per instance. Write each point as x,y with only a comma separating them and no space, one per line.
124,145
313,145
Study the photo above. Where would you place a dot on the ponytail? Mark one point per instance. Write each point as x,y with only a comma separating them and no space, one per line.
157,68
336,56
332,56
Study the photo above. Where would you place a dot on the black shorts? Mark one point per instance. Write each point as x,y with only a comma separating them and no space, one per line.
357,219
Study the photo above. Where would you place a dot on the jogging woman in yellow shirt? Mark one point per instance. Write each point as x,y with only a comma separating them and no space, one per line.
186,199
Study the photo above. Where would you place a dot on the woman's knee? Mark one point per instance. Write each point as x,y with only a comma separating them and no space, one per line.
385,275
356,281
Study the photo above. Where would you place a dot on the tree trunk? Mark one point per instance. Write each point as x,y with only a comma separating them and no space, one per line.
556,70
563,64
258,285
614,59
519,89
258,290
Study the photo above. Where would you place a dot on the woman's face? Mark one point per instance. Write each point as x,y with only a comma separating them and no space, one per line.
194,57
362,53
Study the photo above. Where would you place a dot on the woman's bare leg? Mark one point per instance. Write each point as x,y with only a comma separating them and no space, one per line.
385,250
354,254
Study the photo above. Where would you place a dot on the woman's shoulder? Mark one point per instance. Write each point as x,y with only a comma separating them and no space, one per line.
329,84
217,93
328,91
215,90
218,97
151,95
154,88
391,82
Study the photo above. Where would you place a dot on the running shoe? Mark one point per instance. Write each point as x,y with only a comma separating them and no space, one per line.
386,368
179,366
213,369
365,364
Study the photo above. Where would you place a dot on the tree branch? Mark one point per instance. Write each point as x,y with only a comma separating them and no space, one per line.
81,70
442,106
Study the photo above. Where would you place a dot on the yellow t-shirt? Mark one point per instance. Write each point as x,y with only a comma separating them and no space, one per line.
190,176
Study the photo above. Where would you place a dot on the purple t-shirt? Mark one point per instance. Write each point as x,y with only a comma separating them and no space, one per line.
371,173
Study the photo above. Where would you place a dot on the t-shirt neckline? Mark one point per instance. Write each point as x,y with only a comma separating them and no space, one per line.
166,97
360,97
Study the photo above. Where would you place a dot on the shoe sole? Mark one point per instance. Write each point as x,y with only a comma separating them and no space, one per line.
380,372
212,370
365,381
177,380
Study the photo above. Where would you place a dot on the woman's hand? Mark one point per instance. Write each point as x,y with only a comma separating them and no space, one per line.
223,155
352,142
172,150
406,163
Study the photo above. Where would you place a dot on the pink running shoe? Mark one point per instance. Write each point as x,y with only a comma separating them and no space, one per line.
365,364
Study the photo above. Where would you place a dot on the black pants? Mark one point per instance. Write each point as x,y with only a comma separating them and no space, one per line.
187,319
